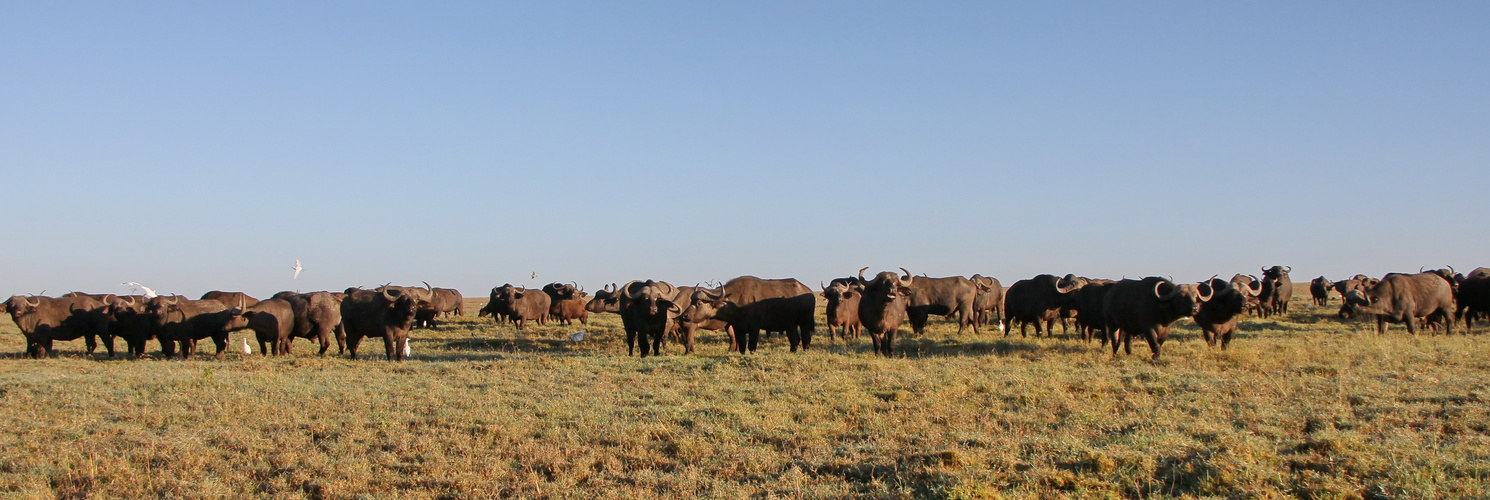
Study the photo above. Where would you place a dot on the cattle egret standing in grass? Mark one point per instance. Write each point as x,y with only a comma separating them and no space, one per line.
148,292
406,348
297,269
246,349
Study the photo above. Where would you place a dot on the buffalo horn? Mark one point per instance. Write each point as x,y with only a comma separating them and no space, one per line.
1166,296
861,275
386,295
907,273
577,288
1287,269
33,304
1209,294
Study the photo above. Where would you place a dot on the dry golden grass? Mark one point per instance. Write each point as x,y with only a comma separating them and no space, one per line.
1307,406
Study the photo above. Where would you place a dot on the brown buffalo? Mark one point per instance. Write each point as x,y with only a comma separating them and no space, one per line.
517,304
949,296
272,322
842,310
567,303
183,322
883,307
1319,290
231,299
43,320
442,302
988,304
1404,298
317,317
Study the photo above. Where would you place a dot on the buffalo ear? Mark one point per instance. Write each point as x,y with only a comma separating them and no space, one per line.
848,295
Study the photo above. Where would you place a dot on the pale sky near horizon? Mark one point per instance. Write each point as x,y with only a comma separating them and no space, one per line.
200,146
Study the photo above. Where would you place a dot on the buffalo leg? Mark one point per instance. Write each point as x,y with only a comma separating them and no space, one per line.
918,317
889,343
1153,341
325,344
391,348
352,341
108,343
222,345
1226,338
793,337
92,343
631,343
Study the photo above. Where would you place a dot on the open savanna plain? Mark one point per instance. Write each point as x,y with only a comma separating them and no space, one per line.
1301,406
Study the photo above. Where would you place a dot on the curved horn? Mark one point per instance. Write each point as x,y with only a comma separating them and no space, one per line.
1263,269
821,285
861,275
907,279
577,287
1451,269
1208,295
907,273
1166,296
1287,269
33,304
386,295
175,299
626,290
1422,268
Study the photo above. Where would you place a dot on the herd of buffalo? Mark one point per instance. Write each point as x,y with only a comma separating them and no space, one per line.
1110,311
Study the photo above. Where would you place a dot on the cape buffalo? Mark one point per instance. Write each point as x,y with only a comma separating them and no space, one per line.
271,320
442,302
1281,288
43,320
231,299
567,303
517,304
953,295
385,312
1218,316
1319,290
1147,308
750,304
988,304
1036,300
183,322
317,317
647,311
128,321
1089,316
1473,299
1403,298
842,310
883,307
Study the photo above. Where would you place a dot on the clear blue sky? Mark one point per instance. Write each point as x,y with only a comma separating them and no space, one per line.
206,145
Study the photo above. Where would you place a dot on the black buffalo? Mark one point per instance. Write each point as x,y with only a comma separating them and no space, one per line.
750,304
386,312
1277,290
442,302
1147,308
1036,300
1319,290
1218,316
272,322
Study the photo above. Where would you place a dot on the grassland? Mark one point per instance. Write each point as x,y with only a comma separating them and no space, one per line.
1303,406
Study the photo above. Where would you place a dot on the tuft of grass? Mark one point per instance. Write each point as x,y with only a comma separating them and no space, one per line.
1301,405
